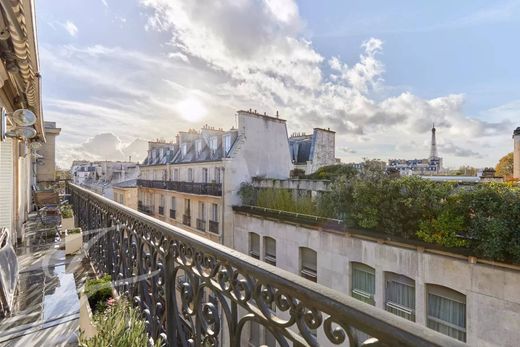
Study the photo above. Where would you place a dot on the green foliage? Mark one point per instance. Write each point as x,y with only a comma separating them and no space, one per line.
98,291
66,211
332,172
504,167
120,325
73,231
282,199
248,194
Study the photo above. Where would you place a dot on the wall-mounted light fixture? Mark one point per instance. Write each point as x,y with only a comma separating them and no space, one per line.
23,119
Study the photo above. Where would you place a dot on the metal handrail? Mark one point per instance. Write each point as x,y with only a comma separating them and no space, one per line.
246,288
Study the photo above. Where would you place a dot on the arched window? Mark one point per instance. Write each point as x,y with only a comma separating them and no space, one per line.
446,311
363,282
254,245
270,250
400,295
308,264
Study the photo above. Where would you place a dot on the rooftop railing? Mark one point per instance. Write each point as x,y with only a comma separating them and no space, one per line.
147,258
184,187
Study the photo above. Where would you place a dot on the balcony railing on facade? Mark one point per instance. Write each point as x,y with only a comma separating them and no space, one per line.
213,226
148,209
214,189
186,220
173,214
171,274
201,224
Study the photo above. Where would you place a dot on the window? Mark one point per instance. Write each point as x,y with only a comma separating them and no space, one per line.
176,174
204,175
270,250
214,212
227,143
190,175
198,146
400,295
363,283
184,149
213,144
161,204
446,311
202,211
187,209
308,264
254,245
173,203
217,175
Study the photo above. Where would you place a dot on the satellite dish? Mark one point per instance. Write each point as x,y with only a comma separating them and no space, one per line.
23,117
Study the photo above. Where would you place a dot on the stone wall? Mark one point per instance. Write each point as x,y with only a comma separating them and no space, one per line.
492,291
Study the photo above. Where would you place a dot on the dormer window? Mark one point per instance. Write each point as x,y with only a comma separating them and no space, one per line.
213,144
184,149
198,146
227,143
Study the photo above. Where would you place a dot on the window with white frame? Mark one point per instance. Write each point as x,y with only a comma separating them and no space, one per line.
227,143
204,175
198,146
190,175
213,144
214,212
400,295
270,250
254,245
363,283
308,264
184,149
446,311
202,211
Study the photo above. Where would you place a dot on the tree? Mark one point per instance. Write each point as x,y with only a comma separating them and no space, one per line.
504,167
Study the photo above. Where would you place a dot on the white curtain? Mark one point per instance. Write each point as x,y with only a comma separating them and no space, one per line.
447,316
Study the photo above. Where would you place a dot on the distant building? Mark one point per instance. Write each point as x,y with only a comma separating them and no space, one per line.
46,161
516,153
431,165
125,193
310,152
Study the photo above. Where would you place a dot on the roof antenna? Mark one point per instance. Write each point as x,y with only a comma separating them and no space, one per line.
276,113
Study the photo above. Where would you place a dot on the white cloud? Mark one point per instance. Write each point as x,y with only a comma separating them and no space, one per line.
71,28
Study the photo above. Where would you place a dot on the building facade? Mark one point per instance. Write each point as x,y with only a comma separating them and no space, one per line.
46,154
194,181
125,193
463,297
310,152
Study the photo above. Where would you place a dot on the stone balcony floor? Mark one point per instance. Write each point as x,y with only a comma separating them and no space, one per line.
46,309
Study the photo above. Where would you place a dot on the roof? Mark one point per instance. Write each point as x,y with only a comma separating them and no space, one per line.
517,131
126,184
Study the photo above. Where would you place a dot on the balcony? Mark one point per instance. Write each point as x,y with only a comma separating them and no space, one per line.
201,224
213,226
145,209
172,214
214,189
147,257
186,219
161,210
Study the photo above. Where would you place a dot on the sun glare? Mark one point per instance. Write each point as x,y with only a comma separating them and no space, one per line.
191,109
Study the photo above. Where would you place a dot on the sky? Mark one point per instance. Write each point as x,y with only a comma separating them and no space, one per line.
117,73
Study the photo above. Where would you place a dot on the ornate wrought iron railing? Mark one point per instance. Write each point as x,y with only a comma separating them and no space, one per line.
184,187
221,290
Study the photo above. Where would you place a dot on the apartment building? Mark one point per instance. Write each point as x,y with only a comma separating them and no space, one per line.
193,182
309,152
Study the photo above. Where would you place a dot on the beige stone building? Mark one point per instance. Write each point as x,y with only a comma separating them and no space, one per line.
125,193
469,299
194,181
46,155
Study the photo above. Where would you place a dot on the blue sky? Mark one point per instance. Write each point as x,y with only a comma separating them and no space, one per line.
118,72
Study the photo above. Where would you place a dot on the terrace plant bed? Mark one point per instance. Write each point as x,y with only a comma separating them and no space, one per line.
67,217
95,298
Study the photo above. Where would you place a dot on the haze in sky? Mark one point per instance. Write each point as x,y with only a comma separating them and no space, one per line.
117,73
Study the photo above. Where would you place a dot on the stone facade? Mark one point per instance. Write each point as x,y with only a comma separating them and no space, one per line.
310,152
46,165
490,291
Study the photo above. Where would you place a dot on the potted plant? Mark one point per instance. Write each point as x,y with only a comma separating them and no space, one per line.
94,300
73,240
67,217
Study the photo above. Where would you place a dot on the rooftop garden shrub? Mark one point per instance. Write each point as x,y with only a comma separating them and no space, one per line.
73,231
119,325
98,291
66,211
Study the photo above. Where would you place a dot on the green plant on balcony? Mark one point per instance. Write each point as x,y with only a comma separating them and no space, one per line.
98,291
66,211
73,231
119,325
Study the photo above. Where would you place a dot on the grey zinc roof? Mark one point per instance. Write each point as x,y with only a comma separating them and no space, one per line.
300,149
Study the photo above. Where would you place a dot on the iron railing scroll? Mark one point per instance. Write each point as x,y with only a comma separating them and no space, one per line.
195,292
